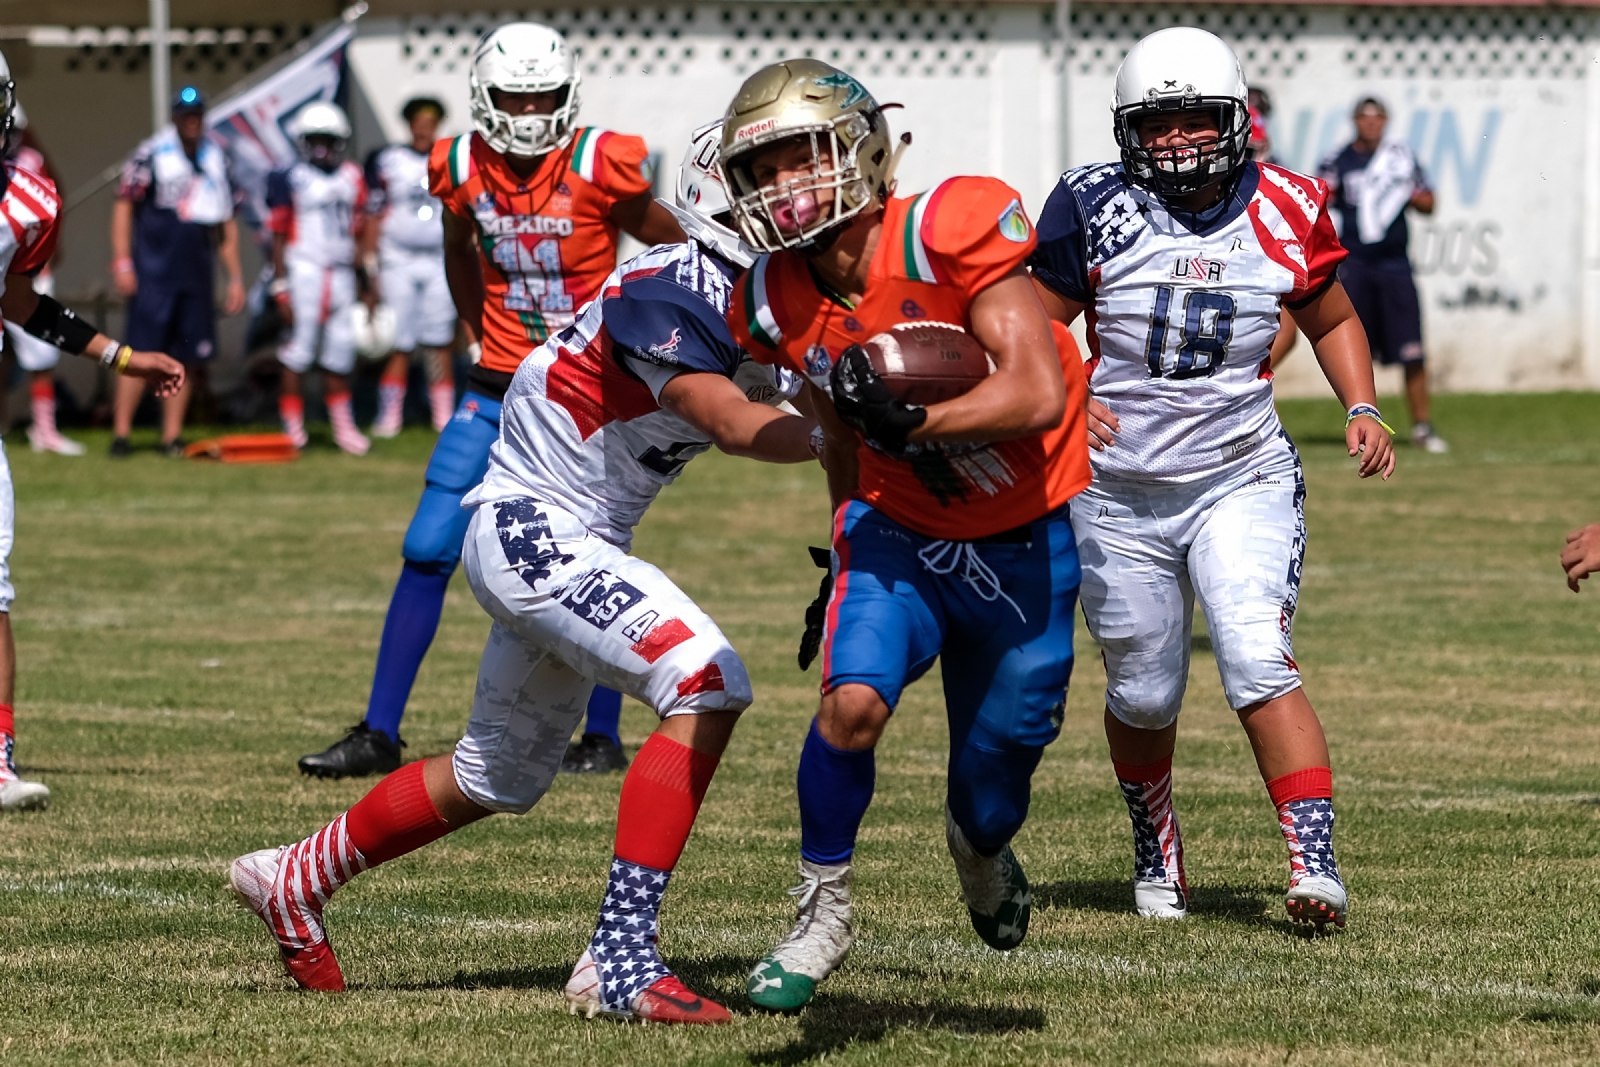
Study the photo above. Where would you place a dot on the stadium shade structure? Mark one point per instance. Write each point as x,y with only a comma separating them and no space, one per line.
1496,99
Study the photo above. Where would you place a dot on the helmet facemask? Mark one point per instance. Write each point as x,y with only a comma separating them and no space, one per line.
525,136
1180,170
322,150
10,140
799,213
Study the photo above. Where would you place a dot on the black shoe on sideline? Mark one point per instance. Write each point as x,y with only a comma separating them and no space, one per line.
594,754
120,448
173,449
360,752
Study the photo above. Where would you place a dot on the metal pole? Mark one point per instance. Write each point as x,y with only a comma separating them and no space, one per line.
1064,102
160,64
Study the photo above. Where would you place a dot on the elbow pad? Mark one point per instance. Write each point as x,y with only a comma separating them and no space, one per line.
56,325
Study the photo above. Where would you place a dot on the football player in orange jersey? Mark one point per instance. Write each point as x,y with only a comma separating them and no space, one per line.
533,208
950,536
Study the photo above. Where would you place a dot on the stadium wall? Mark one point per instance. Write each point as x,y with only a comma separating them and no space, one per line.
1501,103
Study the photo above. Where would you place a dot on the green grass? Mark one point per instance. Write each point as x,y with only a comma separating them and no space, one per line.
185,632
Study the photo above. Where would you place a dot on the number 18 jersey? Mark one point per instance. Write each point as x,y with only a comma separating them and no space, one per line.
1183,308
547,243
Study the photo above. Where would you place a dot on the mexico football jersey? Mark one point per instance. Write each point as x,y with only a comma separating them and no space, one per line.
936,253
1183,308
547,243
581,427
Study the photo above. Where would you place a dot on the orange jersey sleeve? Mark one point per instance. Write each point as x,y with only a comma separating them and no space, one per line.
971,231
611,162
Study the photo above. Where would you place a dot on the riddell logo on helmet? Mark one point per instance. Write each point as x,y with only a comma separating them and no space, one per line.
744,133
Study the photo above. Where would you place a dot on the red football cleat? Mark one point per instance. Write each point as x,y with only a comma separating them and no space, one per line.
293,918
670,1001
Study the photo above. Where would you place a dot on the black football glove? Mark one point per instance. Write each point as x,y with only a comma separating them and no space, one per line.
811,640
865,403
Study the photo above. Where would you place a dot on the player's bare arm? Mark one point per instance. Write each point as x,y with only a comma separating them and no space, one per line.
1329,322
839,446
44,318
280,278
1025,394
1581,556
642,218
718,408
122,272
228,253
1103,424
463,270
1283,344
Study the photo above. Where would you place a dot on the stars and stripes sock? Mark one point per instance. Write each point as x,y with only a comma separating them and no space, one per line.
1304,800
1157,842
8,742
660,798
396,817
391,399
292,410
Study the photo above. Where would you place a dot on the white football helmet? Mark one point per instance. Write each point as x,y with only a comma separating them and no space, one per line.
1182,69
322,119
523,57
701,204
8,106
374,330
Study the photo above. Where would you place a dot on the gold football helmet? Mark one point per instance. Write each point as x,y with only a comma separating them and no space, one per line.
852,157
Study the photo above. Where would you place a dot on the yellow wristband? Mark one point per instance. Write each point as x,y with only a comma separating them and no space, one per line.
124,354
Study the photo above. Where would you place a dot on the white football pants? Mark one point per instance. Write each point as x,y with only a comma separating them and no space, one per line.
1149,550
570,610
413,284
321,298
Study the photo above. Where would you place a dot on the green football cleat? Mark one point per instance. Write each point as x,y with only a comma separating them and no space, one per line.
787,978
775,989
995,889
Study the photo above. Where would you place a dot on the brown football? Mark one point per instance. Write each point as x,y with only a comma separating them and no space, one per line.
927,362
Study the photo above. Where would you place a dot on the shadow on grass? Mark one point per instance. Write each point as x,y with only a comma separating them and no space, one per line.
1245,904
714,977
832,1023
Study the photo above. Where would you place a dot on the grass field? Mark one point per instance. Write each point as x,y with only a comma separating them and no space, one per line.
185,632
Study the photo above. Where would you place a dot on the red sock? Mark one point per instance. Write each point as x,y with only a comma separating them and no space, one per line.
8,740
1313,783
43,389
660,798
397,817
291,407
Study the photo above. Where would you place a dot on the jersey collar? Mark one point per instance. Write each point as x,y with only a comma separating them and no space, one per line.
1207,222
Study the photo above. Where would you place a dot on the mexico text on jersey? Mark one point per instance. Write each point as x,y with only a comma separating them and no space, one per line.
1182,309
937,251
547,243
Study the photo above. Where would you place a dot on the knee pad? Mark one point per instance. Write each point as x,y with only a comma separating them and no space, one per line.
486,785
990,787
1146,708
437,530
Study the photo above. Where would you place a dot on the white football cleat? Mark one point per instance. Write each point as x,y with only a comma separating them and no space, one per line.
1160,900
1317,900
821,938
52,441
17,795
385,427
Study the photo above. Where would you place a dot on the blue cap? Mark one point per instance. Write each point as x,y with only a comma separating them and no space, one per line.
188,99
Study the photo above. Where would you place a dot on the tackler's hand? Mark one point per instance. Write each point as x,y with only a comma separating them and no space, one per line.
1368,438
817,613
865,403
160,370
1579,558
1103,426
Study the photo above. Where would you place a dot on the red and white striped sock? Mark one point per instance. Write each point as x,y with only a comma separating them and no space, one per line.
442,403
1157,842
345,434
391,401
292,410
42,394
396,817
8,743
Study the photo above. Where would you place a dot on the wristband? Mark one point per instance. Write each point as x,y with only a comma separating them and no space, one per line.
109,352
817,441
475,353
1368,410
124,354
278,287
121,265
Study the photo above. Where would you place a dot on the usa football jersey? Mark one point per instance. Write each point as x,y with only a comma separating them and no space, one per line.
937,251
318,211
29,208
581,431
1183,308
547,243
397,188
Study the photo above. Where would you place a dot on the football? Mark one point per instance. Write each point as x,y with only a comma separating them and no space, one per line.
928,362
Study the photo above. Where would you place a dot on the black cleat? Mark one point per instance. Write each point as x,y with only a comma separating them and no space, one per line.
174,449
594,754
121,448
360,752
